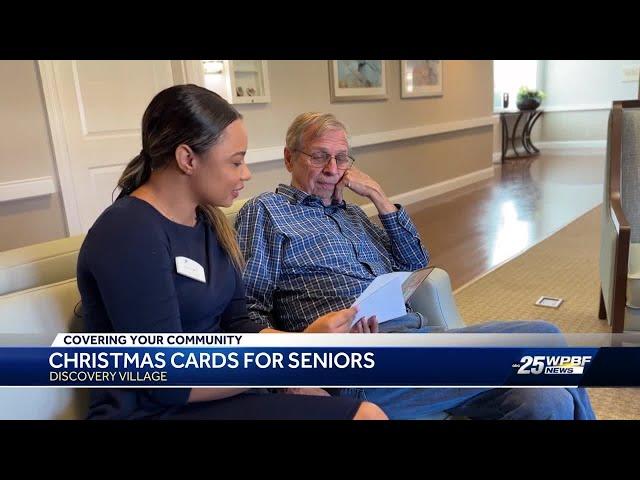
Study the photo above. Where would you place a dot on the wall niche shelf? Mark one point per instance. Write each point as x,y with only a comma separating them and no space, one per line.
238,81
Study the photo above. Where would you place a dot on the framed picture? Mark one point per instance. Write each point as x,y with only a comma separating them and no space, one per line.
357,80
421,78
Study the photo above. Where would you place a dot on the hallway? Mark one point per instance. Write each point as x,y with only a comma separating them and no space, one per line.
470,231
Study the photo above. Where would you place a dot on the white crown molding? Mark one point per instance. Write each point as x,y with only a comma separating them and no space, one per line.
434,190
27,188
267,154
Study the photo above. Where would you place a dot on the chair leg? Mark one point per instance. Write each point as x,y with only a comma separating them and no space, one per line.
602,311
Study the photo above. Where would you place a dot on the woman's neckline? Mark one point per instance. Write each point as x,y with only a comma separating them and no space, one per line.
162,215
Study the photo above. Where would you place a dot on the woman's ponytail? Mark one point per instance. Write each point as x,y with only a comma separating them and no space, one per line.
183,115
225,233
135,174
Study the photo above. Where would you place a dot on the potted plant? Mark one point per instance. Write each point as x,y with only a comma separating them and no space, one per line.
529,99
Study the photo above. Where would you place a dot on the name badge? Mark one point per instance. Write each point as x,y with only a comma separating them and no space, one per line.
190,268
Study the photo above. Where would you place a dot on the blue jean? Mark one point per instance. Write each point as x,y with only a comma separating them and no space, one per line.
478,403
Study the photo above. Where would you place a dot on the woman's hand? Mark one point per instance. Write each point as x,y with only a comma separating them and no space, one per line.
334,322
341,322
366,325
319,392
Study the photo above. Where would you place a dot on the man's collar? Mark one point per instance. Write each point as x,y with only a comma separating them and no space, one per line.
296,196
292,194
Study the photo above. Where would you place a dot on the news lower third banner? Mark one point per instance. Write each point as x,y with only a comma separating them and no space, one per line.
321,360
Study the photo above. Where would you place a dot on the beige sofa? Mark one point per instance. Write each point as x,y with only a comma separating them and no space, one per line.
40,302
40,264
40,313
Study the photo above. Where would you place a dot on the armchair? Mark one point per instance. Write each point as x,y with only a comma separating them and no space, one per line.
434,300
620,233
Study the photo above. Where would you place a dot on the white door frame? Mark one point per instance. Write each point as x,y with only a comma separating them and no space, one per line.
60,145
52,75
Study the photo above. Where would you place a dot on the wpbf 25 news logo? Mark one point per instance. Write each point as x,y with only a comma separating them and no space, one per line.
552,364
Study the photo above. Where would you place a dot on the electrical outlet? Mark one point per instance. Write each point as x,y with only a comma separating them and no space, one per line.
630,73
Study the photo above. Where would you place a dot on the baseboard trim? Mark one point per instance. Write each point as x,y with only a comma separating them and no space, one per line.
572,144
564,148
430,191
581,147
576,108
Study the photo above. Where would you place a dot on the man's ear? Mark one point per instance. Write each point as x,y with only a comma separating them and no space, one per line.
185,159
288,159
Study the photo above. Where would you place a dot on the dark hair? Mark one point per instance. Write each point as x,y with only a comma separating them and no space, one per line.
189,115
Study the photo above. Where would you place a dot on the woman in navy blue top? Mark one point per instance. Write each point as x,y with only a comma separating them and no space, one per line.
129,267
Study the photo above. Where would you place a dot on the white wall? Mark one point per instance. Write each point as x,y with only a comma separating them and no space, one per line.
583,82
296,86
400,166
581,92
26,154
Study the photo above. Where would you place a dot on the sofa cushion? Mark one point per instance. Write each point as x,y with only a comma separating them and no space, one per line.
232,211
630,170
45,310
50,262
40,264
40,313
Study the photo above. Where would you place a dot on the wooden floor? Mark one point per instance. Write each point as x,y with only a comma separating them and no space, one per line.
470,231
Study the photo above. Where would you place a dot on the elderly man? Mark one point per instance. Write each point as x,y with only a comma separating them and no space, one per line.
308,252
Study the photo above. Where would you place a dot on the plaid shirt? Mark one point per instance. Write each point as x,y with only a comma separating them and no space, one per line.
305,260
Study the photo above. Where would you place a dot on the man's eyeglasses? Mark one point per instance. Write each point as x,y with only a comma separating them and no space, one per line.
321,159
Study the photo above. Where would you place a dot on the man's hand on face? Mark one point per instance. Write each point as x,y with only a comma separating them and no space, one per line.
362,184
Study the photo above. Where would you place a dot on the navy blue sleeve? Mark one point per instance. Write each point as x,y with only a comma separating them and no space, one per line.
130,262
235,318
133,270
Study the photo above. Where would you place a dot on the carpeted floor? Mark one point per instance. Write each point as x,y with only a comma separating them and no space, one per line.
565,265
